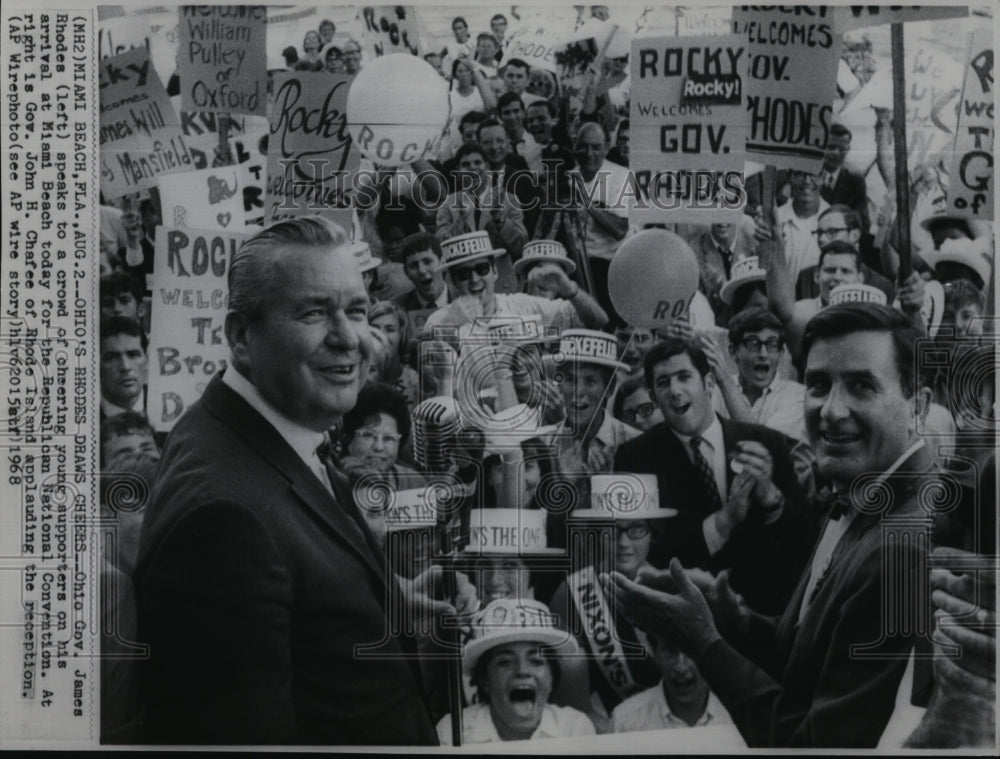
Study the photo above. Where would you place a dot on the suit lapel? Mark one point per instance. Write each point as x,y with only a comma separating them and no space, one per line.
230,409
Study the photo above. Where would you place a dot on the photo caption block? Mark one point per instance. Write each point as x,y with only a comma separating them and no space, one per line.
48,532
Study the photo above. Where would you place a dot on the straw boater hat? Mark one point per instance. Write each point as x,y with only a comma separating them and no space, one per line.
514,620
624,496
857,293
976,254
939,219
544,251
744,272
587,346
466,248
362,254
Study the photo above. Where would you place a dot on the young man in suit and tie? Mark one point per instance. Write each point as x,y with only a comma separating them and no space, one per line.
262,594
826,672
732,484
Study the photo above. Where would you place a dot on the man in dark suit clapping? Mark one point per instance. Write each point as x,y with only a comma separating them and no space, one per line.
732,484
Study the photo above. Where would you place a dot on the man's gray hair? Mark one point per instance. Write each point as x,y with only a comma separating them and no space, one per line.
252,270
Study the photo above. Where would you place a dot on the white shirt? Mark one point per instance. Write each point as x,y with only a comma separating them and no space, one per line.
648,710
529,150
801,245
834,530
478,727
607,191
555,313
609,436
779,407
713,448
302,440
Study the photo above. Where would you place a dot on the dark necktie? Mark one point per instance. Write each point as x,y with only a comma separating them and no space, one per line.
704,470
333,472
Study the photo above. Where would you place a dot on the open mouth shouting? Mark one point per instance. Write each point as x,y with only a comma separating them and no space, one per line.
523,698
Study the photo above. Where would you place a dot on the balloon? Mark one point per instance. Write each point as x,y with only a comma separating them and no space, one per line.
397,109
653,278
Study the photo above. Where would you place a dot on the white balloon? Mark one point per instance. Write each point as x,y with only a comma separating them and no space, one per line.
397,109
653,278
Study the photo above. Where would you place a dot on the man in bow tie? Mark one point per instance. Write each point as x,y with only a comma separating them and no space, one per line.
826,673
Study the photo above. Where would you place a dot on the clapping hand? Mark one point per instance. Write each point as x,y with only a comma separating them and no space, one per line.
683,615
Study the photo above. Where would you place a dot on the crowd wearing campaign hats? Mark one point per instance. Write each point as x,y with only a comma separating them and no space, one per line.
593,500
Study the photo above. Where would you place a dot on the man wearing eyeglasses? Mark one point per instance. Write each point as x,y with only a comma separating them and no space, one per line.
732,483
756,394
841,223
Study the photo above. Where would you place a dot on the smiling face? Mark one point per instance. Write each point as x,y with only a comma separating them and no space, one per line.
495,145
461,31
583,388
463,75
683,395
422,270
539,123
836,269
377,442
857,418
123,369
757,357
478,279
309,350
540,83
517,682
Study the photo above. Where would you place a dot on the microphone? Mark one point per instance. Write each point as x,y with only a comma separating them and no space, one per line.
435,430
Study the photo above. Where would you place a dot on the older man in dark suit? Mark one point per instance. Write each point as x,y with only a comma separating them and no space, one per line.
261,592
826,672
733,485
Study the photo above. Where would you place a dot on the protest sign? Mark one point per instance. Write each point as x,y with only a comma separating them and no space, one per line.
222,58
187,346
536,43
973,177
390,29
850,17
311,159
140,134
792,81
933,81
206,199
120,34
688,127
249,153
201,135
